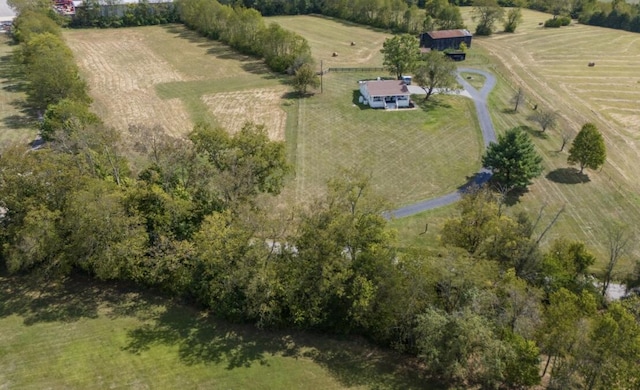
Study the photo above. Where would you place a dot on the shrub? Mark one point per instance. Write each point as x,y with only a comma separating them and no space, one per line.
557,22
564,20
483,30
553,23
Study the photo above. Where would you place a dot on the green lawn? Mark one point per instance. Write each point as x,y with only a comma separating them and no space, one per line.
410,154
80,335
554,78
533,59
16,125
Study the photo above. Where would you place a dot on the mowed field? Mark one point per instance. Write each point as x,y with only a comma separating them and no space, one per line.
81,334
169,77
327,36
16,126
407,153
551,66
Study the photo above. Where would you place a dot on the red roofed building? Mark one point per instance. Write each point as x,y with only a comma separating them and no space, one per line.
445,39
385,93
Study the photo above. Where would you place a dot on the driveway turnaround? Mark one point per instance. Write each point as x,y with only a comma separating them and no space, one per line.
488,135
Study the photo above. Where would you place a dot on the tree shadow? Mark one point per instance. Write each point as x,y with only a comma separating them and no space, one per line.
250,64
355,99
513,197
201,339
568,176
475,181
66,300
17,121
533,132
434,102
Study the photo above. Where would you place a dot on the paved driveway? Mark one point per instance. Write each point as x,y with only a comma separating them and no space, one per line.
488,134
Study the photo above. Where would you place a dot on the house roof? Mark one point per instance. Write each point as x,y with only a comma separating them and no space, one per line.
449,34
387,87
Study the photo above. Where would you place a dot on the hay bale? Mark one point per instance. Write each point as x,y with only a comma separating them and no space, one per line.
334,54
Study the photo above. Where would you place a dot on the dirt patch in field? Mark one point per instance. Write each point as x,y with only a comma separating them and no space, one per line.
122,73
261,106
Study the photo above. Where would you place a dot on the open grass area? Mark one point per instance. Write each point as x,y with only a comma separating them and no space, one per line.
171,77
408,152
559,79
16,125
82,334
328,35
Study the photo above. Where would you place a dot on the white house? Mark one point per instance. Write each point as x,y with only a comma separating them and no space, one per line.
385,93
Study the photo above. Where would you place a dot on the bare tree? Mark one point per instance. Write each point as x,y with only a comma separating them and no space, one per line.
566,137
546,119
517,99
619,238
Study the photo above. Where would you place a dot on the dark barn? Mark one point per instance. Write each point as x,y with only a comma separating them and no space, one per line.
445,39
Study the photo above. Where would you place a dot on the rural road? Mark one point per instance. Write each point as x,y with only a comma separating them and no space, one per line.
488,134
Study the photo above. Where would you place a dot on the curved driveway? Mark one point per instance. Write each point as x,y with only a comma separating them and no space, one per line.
488,134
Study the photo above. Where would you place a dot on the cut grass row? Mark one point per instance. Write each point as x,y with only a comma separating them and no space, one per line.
556,78
410,154
81,334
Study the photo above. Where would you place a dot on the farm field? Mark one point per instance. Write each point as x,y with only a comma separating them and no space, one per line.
205,74
170,77
557,77
175,78
328,35
93,335
15,125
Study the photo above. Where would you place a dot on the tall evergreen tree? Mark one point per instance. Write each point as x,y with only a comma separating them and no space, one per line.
513,160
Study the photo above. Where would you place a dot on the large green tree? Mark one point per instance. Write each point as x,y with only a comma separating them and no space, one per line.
401,54
449,18
247,163
513,20
304,78
435,71
486,13
588,149
513,159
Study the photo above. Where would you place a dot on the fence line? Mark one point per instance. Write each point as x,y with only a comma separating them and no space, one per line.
363,69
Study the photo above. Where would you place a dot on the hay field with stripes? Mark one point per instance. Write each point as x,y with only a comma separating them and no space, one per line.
551,65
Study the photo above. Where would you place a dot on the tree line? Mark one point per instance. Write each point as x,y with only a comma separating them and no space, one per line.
244,29
94,13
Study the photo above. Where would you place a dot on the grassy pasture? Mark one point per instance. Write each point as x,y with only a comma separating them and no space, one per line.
171,77
80,334
16,125
407,152
551,66
327,35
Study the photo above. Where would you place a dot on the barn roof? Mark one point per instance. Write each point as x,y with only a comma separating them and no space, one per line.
449,34
387,87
